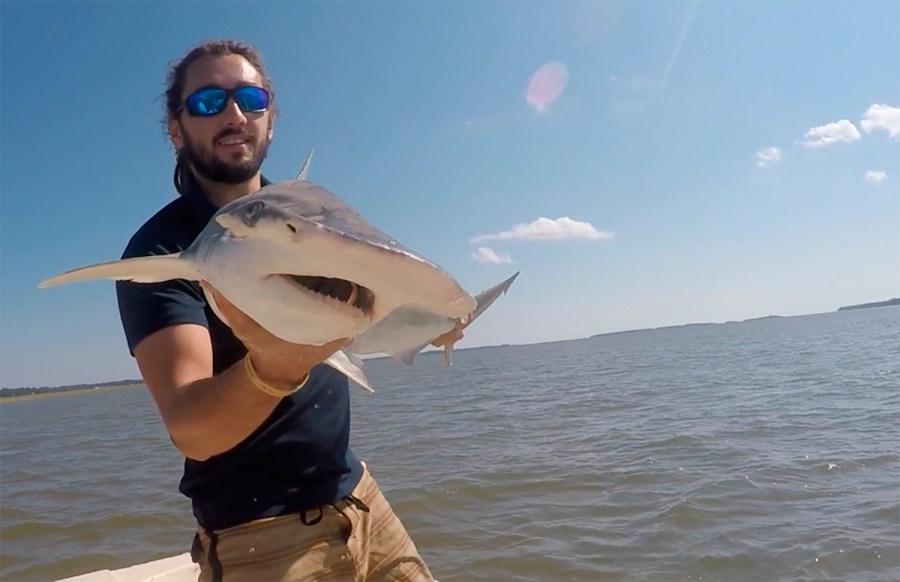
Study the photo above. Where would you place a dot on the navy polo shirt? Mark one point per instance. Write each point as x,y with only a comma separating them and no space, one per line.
299,458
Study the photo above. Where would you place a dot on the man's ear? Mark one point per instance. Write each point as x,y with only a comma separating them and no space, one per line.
175,134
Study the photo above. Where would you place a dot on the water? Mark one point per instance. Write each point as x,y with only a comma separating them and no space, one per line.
767,450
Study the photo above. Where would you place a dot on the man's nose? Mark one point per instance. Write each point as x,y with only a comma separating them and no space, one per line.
233,114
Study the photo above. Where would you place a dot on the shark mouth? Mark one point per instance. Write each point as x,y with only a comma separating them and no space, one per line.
348,292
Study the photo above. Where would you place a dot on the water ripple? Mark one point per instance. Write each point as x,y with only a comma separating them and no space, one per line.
768,450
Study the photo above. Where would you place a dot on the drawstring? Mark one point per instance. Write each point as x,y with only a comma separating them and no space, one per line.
304,520
348,500
357,503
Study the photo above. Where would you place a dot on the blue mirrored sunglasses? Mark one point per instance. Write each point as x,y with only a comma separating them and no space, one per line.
212,100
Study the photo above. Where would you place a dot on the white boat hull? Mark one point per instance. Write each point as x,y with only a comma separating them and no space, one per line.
178,568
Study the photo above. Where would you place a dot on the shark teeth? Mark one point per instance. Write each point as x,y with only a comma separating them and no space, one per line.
340,290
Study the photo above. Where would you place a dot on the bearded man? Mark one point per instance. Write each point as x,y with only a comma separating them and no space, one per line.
263,425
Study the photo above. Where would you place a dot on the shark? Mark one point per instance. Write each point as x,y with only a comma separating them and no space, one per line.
310,269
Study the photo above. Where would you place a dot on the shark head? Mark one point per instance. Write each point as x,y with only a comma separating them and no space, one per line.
307,242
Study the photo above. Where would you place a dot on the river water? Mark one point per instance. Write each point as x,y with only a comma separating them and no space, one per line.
766,450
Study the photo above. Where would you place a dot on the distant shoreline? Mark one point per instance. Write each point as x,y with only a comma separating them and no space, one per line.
888,303
29,393
21,394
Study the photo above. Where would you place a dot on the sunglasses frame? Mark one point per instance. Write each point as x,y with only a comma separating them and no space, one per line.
229,94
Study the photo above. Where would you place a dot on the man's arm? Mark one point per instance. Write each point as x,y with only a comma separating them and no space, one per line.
207,415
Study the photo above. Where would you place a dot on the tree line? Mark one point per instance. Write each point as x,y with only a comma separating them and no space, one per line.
30,390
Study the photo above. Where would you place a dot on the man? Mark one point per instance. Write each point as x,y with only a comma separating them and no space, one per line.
262,423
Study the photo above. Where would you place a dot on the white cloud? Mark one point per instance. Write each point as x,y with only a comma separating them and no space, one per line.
881,116
824,135
875,176
486,255
548,229
768,156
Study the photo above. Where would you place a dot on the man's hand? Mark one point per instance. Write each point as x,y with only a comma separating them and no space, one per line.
451,337
279,363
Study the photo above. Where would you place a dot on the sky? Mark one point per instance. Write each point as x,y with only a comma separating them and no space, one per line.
641,164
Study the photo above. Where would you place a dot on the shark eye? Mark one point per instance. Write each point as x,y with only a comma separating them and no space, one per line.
252,210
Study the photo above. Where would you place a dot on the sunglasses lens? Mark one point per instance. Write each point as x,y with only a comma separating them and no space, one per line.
252,99
211,101
206,102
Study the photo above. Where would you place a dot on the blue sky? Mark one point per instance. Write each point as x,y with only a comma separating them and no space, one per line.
620,155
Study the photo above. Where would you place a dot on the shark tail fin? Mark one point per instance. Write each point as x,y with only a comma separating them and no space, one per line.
488,296
483,301
151,269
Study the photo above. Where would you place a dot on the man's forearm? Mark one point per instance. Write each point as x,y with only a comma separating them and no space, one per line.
211,416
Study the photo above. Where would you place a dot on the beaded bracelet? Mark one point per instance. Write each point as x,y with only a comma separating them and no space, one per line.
259,383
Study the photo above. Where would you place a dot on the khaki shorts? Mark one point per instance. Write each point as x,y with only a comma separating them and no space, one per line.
347,543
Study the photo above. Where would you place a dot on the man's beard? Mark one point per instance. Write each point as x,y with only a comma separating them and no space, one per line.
213,168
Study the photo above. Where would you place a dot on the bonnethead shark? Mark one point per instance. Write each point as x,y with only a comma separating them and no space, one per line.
310,269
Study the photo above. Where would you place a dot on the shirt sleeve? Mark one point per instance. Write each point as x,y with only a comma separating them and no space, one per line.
145,308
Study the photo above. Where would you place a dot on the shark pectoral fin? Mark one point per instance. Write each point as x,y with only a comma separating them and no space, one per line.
354,359
350,367
152,269
408,356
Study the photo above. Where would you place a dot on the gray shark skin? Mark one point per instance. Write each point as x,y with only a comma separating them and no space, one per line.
408,330
310,269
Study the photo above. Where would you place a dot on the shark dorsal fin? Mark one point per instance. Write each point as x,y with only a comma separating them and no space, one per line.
304,169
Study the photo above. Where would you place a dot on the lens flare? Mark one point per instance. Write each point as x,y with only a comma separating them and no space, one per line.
546,85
